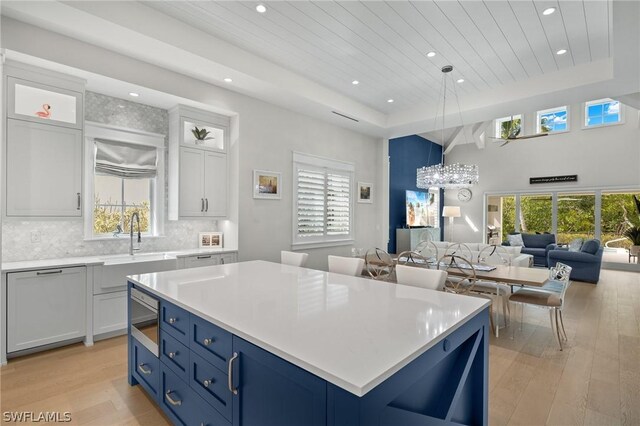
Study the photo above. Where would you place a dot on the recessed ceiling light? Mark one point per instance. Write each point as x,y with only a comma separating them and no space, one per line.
390,101
431,54
548,11
134,94
120,106
461,80
261,8
355,82
561,52
228,79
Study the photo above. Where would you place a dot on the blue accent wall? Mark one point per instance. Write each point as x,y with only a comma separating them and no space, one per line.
406,155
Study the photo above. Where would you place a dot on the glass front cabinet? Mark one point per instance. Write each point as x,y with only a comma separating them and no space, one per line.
43,148
36,102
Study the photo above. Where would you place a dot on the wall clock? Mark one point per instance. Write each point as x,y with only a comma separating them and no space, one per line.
464,194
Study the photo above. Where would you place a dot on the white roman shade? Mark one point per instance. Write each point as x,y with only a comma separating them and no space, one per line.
323,201
125,160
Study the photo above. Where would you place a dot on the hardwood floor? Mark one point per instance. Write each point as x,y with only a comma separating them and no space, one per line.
594,381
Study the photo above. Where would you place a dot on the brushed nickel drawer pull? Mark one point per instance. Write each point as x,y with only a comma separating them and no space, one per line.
206,200
173,320
58,271
230,374
79,200
203,257
144,369
208,341
206,383
170,399
201,204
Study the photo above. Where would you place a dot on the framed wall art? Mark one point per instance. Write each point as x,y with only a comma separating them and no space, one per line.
364,192
267,185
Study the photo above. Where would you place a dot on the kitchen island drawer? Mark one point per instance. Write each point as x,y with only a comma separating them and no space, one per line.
210,342
183,405
147,366
175,321
174,355
211,384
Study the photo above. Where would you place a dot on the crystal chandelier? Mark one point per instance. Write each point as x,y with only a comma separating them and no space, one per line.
447,176
450,175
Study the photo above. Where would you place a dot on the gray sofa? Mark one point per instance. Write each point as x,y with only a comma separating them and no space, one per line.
537,245
585,263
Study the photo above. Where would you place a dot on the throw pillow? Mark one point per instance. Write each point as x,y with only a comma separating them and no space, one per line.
590,246
575,245
515,240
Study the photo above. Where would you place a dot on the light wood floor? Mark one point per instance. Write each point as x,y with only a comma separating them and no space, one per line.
594,381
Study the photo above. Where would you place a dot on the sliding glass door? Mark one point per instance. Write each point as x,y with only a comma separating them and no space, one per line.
576,216
618,213
536,211
501,217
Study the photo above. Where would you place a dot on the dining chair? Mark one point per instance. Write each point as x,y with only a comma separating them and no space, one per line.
379,264
550,296
346,265
462,279
411,257
293,258
421,277
460,250
495,255
428,250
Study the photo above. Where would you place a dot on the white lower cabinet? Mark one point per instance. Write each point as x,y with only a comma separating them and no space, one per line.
109,313
201,260
45,307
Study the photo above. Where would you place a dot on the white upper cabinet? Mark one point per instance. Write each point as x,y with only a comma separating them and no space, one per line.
195,128
36,102
198,170
43,149
44,170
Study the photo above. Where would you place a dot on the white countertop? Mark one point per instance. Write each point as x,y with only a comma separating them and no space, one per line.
353,332
27,265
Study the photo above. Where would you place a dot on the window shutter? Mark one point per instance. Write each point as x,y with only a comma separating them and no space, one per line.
338,204
311,203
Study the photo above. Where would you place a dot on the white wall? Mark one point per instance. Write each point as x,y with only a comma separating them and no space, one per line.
266,136
606,157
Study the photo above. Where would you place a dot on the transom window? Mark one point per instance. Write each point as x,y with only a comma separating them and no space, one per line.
323,207
508,126
602,112
553,120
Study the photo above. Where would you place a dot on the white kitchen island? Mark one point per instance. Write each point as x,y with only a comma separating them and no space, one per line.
264,343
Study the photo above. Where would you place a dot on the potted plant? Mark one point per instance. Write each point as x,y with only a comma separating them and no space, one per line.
201,135
633,235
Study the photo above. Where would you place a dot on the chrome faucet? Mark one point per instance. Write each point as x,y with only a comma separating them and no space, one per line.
137,218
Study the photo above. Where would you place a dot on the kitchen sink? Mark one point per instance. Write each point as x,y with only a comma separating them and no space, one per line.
136,258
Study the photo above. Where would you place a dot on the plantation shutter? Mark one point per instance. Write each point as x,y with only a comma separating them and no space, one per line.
323,200
311,203
338,204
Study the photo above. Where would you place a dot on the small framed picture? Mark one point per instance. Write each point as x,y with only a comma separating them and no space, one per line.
364,192
267,185
210,240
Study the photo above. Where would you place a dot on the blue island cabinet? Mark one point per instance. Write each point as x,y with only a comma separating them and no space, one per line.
206,376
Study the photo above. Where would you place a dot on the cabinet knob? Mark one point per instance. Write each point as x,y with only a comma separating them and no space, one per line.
206,383
207,341
173,320
172,355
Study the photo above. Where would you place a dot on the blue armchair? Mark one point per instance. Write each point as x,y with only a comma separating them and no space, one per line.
585,263
537,245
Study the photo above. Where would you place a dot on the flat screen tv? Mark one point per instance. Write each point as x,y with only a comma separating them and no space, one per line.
419,205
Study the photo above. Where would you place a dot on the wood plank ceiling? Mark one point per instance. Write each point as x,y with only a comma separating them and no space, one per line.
383,45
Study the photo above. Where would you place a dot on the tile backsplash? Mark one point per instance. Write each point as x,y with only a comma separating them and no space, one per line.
64,238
